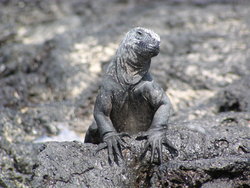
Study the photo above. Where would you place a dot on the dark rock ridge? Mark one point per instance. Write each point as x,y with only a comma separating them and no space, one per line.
211,156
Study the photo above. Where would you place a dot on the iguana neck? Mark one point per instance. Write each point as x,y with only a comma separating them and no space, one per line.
131,71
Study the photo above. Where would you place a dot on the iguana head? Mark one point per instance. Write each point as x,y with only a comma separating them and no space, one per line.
143,42
133,57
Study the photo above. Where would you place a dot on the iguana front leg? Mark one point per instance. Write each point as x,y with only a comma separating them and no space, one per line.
156,135
111,140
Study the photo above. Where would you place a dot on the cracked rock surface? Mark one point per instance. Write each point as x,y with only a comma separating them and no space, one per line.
52,56
208,158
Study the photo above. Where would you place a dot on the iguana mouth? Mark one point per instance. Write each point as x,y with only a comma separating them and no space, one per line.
154,47
154,50
150,48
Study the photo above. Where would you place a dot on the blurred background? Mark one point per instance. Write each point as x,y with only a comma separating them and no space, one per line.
54,52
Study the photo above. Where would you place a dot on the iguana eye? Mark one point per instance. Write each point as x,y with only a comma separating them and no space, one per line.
139,33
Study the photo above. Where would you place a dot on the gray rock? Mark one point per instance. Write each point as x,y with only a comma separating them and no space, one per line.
17,163
213,157
235,97
52,55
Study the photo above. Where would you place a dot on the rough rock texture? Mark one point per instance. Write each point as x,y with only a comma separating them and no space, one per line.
235,97
211,157
52,54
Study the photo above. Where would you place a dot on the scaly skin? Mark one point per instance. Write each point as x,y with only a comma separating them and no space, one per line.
130,101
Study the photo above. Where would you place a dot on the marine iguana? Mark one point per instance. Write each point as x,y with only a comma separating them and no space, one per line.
130,101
